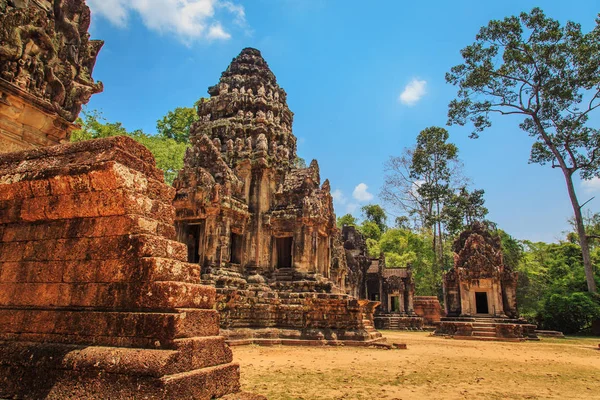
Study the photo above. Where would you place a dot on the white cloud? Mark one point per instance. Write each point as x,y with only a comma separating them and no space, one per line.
189,20
591,186
413,92
361,193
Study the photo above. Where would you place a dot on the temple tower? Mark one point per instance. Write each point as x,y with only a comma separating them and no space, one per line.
252,211
261,227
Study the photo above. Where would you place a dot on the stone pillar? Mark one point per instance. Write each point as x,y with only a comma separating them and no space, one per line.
410,293
401,300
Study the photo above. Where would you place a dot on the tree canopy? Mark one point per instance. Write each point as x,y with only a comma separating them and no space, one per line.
549,75
167,152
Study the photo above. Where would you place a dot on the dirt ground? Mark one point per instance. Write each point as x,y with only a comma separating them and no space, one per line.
431,368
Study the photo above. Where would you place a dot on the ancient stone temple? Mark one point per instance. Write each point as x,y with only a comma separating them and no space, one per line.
480,291
46,63
395,289
262,229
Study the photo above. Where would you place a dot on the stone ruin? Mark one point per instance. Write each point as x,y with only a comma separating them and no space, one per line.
430,309
480,292
46,63
262,228
97,300
355,260
395,289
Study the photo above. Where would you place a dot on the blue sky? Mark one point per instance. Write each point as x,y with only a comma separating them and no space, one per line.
345,65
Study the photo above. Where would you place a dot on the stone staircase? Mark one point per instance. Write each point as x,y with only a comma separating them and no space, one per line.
486,329
374,334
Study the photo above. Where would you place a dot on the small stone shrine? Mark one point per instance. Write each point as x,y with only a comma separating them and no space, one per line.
395,289
261,228
480,291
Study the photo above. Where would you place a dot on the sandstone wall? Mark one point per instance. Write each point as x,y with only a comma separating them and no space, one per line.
96,300
429,308
295,315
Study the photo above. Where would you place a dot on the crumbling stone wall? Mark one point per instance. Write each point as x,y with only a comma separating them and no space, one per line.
428,308
96,299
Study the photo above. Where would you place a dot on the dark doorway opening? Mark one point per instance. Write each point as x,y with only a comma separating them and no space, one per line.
481,302
284,252
193,241
395,300
236,249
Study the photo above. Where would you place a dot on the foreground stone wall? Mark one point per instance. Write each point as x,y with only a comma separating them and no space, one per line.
428,308
96,300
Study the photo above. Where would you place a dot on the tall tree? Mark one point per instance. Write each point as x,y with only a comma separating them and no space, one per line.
431,167
462,208
549,75
400,189
374,213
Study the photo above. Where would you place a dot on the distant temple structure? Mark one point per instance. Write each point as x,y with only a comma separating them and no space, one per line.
480,292
395,289
261,227
46,63
370,279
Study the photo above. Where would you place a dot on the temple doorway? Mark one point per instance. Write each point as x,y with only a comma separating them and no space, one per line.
284,252
236,249
395,304
193,241
481,302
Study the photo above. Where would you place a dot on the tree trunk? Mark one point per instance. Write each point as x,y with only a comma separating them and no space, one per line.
441,239
583,240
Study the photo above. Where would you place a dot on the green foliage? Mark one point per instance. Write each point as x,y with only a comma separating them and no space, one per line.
374,213
402,222
570,313
167,152
403,247
551,270
370,230
512,250
177,123
347,219
463,208
373,248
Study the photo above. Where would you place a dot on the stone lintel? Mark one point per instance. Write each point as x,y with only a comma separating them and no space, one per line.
26,122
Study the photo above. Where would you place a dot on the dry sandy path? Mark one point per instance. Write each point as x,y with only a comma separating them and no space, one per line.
431,368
